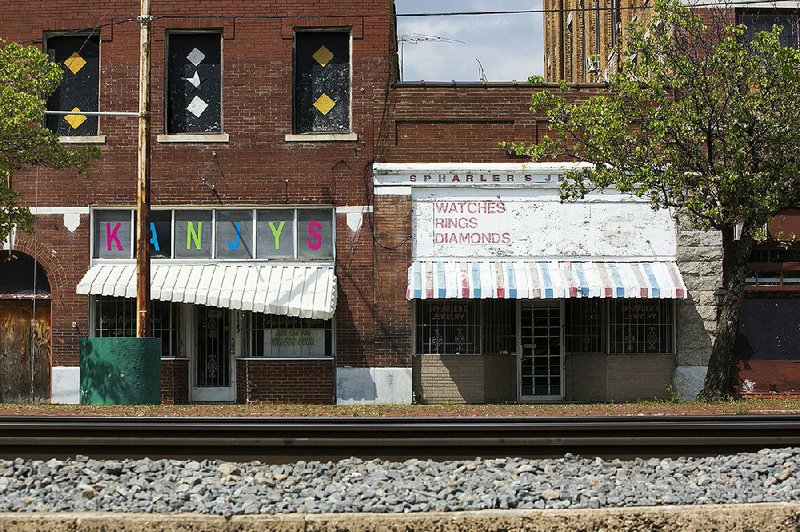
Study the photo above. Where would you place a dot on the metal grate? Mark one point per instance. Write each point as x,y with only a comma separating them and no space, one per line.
641,326
499,326
540,338
288,337
115,317
584,325
448,327
213,365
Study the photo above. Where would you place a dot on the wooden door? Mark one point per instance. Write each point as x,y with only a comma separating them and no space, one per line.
24,351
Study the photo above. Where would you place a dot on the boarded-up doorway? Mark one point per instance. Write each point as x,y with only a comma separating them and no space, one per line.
25,331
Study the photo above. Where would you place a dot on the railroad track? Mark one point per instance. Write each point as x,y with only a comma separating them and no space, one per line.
291,439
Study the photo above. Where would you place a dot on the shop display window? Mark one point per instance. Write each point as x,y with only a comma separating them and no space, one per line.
499,326
448,327
584,325
116,317
641,326
273,336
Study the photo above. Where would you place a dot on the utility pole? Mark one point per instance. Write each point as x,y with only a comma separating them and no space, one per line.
143,179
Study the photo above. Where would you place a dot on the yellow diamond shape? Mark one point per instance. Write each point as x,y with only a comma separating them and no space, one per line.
75,120
324,104
75,63
323,56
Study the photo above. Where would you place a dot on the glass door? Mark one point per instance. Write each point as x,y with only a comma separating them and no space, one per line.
212,375
540,359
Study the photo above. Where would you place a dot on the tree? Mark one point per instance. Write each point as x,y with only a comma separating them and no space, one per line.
696,120
27,78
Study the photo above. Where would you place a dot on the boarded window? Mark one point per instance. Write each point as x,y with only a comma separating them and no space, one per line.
322,82
756,22
194,85
79,57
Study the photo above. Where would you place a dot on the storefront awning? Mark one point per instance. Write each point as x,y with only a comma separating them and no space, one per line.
520,279
288,290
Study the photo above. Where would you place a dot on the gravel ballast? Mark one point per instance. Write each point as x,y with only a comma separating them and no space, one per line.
377,486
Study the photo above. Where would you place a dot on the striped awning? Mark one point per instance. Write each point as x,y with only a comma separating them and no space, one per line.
543,280
287,290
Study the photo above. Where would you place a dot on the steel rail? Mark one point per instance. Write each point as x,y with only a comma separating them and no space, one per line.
288,439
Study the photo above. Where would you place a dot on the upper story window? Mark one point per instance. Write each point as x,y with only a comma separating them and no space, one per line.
79,57
322,82
764,21
194,83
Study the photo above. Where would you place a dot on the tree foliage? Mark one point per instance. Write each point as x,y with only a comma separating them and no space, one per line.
27,78
695,119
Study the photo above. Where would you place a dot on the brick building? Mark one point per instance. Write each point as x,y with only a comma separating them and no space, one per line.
323,233
261,163
510,295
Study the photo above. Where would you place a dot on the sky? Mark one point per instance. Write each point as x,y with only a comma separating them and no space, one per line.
509,47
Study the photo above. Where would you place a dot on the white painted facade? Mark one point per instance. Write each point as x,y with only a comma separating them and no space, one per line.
66,385
373,386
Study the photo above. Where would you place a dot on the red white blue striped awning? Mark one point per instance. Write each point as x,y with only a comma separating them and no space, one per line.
454,279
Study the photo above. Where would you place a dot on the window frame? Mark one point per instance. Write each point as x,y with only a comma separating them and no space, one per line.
97,137
669,304
185,136
295,258
295,135
246,351
177,319
776,12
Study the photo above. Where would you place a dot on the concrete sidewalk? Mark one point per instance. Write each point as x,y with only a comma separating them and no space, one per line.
736,517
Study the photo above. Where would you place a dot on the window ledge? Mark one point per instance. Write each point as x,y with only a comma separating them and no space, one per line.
193,138
286,359
88,139
322,137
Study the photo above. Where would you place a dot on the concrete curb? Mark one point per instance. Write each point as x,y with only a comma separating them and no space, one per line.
733,517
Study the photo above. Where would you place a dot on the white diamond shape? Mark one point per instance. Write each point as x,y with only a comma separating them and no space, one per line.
194,80
197,107
196,57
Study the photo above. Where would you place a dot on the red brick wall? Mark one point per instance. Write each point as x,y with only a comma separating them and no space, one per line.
461,123
300,381
257,166
175,382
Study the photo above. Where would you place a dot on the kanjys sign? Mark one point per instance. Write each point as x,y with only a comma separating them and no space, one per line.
233,234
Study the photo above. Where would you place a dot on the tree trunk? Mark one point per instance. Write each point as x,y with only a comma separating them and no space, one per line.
736,255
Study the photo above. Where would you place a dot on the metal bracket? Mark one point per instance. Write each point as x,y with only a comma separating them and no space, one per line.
145,20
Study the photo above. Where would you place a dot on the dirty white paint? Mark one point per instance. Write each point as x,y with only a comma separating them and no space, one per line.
373,385
66,385
72,221
687,382
354,221
10,240
514,223
471,174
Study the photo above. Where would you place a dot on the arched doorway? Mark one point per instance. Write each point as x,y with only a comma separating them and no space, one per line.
25,330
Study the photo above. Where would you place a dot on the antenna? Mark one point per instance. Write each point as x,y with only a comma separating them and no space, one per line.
416,38
481,72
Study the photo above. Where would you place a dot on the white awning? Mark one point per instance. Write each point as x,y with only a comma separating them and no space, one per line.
288,290
521,279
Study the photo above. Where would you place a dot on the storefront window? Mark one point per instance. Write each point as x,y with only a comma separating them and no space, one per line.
116,317
275,336
641,326
584,325
499,326
448,327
